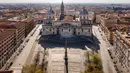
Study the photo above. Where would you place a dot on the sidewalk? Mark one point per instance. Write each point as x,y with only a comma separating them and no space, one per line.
108,66
19,49
23,57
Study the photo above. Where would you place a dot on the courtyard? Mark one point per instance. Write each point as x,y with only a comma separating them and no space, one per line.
76,48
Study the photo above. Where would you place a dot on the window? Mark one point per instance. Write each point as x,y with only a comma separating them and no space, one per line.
84,22
84,17
49,17
82,29
89,30
78,33
80,17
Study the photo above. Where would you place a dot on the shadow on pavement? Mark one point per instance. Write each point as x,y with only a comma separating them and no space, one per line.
76,42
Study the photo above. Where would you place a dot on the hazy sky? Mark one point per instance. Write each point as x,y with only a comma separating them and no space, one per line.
66,1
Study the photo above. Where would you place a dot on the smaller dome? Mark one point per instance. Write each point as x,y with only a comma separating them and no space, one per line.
50,11
83,11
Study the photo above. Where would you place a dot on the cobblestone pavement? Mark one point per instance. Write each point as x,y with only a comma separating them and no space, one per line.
56,62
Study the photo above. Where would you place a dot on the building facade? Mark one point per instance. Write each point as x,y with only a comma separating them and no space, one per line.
29,25
19,28
67,25
68,28
12,37
7,45
121,53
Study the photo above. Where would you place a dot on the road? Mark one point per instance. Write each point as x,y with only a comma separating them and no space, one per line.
26,54
108,66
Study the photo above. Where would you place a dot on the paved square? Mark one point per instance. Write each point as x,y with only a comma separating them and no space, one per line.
56,60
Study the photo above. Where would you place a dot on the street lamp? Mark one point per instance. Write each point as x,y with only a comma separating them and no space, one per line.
66,57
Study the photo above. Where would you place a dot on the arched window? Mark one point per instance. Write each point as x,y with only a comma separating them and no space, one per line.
65,24
84,22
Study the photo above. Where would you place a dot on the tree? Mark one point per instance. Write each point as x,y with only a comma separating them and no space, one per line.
39,71
29,68
94,63
32,69
36,60
35,67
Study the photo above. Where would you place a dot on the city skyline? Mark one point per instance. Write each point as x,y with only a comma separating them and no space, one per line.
64,36
65,1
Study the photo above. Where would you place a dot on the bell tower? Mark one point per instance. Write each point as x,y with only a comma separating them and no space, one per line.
62,11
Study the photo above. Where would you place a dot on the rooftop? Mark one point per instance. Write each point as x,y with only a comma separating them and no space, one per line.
50,11
83,11
68,18
10,24
124,36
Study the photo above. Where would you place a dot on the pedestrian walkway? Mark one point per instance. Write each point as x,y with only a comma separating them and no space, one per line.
21,60
108,66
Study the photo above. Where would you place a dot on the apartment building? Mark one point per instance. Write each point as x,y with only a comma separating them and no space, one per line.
19,28
7,45
121,52
29,25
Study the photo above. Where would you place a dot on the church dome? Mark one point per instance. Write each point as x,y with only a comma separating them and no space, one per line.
50,11
83,11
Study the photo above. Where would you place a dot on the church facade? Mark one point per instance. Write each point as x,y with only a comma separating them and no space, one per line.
67,25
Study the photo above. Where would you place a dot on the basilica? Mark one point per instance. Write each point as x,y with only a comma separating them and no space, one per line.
67,24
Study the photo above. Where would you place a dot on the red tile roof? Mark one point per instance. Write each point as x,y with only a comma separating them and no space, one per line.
68,18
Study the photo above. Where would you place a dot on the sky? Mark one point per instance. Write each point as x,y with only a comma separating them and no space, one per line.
65,1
